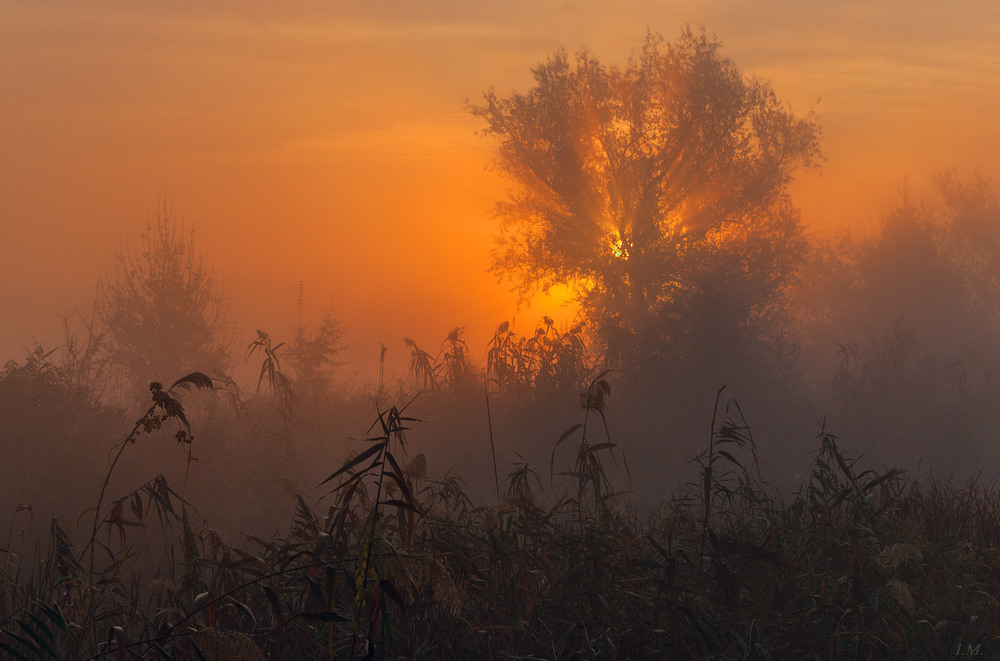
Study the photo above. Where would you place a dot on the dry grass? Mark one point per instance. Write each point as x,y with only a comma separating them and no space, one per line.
392,563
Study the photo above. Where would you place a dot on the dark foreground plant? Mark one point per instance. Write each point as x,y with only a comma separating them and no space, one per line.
855,564
165,406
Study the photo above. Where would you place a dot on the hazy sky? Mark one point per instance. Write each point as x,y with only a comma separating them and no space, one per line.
327,142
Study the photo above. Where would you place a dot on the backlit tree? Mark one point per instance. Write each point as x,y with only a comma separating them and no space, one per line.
632,183
164,311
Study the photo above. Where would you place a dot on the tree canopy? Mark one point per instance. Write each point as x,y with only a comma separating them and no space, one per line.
632,183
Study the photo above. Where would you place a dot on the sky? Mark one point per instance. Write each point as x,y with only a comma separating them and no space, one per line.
329,143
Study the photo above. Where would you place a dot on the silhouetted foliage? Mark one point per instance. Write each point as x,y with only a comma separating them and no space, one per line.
932,268
650,187
972,242
454,357
913,312
51,428
395,563
312,355
542,364
451,369
83,358
163,310
270,370
33,385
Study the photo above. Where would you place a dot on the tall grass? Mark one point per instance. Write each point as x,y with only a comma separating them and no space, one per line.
391,562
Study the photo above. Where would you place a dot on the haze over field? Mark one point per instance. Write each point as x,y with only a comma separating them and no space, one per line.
329,144
358,180
647,329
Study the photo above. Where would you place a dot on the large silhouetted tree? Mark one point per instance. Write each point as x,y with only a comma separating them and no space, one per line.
642,186
164,311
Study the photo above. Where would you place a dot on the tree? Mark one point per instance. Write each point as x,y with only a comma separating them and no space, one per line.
164,311
313,355
630,183
932,267
972,241
911,311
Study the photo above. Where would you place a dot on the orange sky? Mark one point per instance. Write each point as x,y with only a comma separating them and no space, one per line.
327,142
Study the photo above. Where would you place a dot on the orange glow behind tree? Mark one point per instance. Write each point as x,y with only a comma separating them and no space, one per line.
631,183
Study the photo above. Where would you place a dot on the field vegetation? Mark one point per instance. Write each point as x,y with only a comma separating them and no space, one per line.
753,443
382,558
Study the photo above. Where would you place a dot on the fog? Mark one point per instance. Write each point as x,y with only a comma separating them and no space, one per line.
319,171
531,265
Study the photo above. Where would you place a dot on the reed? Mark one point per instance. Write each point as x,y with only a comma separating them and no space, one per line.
388,561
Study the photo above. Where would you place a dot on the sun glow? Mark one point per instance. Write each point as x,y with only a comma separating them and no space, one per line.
558,301
560,295
618,247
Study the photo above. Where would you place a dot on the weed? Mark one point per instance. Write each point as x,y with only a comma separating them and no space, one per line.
392,562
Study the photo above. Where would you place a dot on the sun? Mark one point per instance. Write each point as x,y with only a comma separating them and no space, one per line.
618,247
